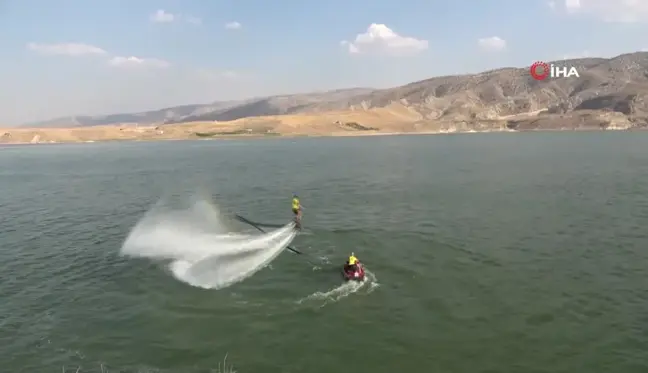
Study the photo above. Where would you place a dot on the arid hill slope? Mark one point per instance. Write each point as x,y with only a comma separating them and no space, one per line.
221,110
609,94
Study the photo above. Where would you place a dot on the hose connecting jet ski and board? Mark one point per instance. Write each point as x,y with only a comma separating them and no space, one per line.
353,271
258,227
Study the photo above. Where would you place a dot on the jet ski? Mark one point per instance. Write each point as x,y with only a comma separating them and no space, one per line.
351,274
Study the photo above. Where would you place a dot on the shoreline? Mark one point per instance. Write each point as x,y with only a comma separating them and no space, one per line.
300,135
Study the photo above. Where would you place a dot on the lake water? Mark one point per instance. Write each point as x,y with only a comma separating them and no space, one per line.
488,253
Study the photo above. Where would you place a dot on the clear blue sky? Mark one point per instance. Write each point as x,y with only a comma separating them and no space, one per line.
75,57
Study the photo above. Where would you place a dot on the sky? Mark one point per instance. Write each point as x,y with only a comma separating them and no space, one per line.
80,57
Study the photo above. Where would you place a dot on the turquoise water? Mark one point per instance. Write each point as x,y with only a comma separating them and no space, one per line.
488,253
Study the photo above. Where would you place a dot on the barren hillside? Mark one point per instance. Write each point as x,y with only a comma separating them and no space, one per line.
617,85
609,94
612,85
221,110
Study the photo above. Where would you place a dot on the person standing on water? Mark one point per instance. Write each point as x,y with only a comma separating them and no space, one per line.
297,210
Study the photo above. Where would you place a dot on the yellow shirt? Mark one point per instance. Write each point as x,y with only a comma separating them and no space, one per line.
295,203
352,260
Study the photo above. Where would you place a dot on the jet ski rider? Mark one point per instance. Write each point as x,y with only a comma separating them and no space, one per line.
352,263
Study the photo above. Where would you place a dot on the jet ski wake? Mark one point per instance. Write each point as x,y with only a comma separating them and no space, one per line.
367,285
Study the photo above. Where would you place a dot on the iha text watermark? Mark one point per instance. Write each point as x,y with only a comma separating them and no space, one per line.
542,70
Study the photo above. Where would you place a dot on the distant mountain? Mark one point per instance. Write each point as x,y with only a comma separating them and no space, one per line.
147,117
615,88
608,90
280,105
220,110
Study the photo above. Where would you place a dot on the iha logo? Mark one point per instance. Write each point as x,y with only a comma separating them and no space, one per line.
542,70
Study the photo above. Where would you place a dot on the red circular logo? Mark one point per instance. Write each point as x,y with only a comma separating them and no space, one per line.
539,70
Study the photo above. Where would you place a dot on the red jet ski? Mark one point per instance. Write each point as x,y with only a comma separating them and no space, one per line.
353,274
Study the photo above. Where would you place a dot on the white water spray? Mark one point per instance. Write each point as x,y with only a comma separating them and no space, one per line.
343,290
201,250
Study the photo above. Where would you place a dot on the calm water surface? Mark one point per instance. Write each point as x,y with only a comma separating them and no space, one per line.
491,253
